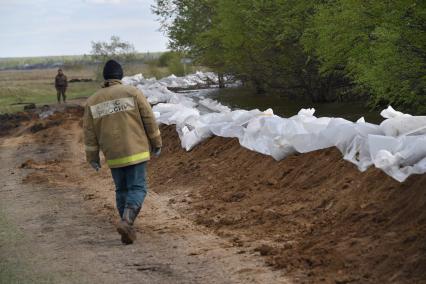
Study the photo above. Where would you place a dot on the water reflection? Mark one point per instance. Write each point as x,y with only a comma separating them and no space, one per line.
244,98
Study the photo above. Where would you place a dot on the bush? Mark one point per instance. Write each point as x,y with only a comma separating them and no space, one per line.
172,60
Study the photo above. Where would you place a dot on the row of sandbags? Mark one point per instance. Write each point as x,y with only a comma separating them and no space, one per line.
157,91
198,79
397,145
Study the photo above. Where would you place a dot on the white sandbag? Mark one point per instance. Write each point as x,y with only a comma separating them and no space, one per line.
391,113
357,152
339,133
403,125
182,100
398,123
197,79
194,130
233,124
306,112
304,131
174,113
264,134
157,115
213,105
132,80
155,94
46,114
397,145
398,157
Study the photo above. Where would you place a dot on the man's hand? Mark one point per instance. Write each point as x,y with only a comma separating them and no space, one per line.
95,165
156,151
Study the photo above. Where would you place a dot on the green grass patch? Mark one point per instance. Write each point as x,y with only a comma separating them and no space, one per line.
36,86
12,98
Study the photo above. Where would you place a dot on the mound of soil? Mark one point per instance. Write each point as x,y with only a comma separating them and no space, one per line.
75,80
12,121
315,216
30,119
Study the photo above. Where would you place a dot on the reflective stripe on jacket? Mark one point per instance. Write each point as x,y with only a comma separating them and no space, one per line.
119,121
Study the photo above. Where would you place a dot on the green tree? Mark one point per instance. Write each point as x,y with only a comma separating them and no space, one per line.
381,45
261,40
189,27
123,52
257,41
323,49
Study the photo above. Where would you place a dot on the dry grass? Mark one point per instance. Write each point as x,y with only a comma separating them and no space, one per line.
37,86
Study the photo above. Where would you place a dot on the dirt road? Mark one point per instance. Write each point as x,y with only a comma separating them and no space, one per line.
57,223
217,214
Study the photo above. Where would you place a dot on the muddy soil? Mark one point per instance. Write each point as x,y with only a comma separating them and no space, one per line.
63,220
313,216
217,214
9,122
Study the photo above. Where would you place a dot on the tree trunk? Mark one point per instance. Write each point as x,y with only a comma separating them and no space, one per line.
221,80
259,85
317,96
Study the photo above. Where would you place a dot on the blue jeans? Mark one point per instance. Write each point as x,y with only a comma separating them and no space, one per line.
130,186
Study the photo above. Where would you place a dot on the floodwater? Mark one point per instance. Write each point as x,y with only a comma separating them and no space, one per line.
244,98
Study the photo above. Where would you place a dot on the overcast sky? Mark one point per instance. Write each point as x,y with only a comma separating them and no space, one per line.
67,27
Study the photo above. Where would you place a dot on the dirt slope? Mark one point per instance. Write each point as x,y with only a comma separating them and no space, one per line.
315,216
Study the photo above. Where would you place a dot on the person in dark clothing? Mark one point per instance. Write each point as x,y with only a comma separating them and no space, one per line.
61,84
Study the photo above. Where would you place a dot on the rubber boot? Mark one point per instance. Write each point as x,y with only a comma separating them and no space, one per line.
125,227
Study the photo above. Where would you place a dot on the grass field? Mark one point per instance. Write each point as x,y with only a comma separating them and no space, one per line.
65,60
18,87
37,86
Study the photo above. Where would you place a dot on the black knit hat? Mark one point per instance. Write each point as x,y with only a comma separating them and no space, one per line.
113,70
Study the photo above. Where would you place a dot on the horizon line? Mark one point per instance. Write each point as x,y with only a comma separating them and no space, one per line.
69,55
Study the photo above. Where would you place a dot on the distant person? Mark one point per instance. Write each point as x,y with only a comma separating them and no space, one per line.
61,84
118,120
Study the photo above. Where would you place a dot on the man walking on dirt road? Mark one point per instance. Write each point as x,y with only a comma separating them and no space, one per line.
61,84
118,120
